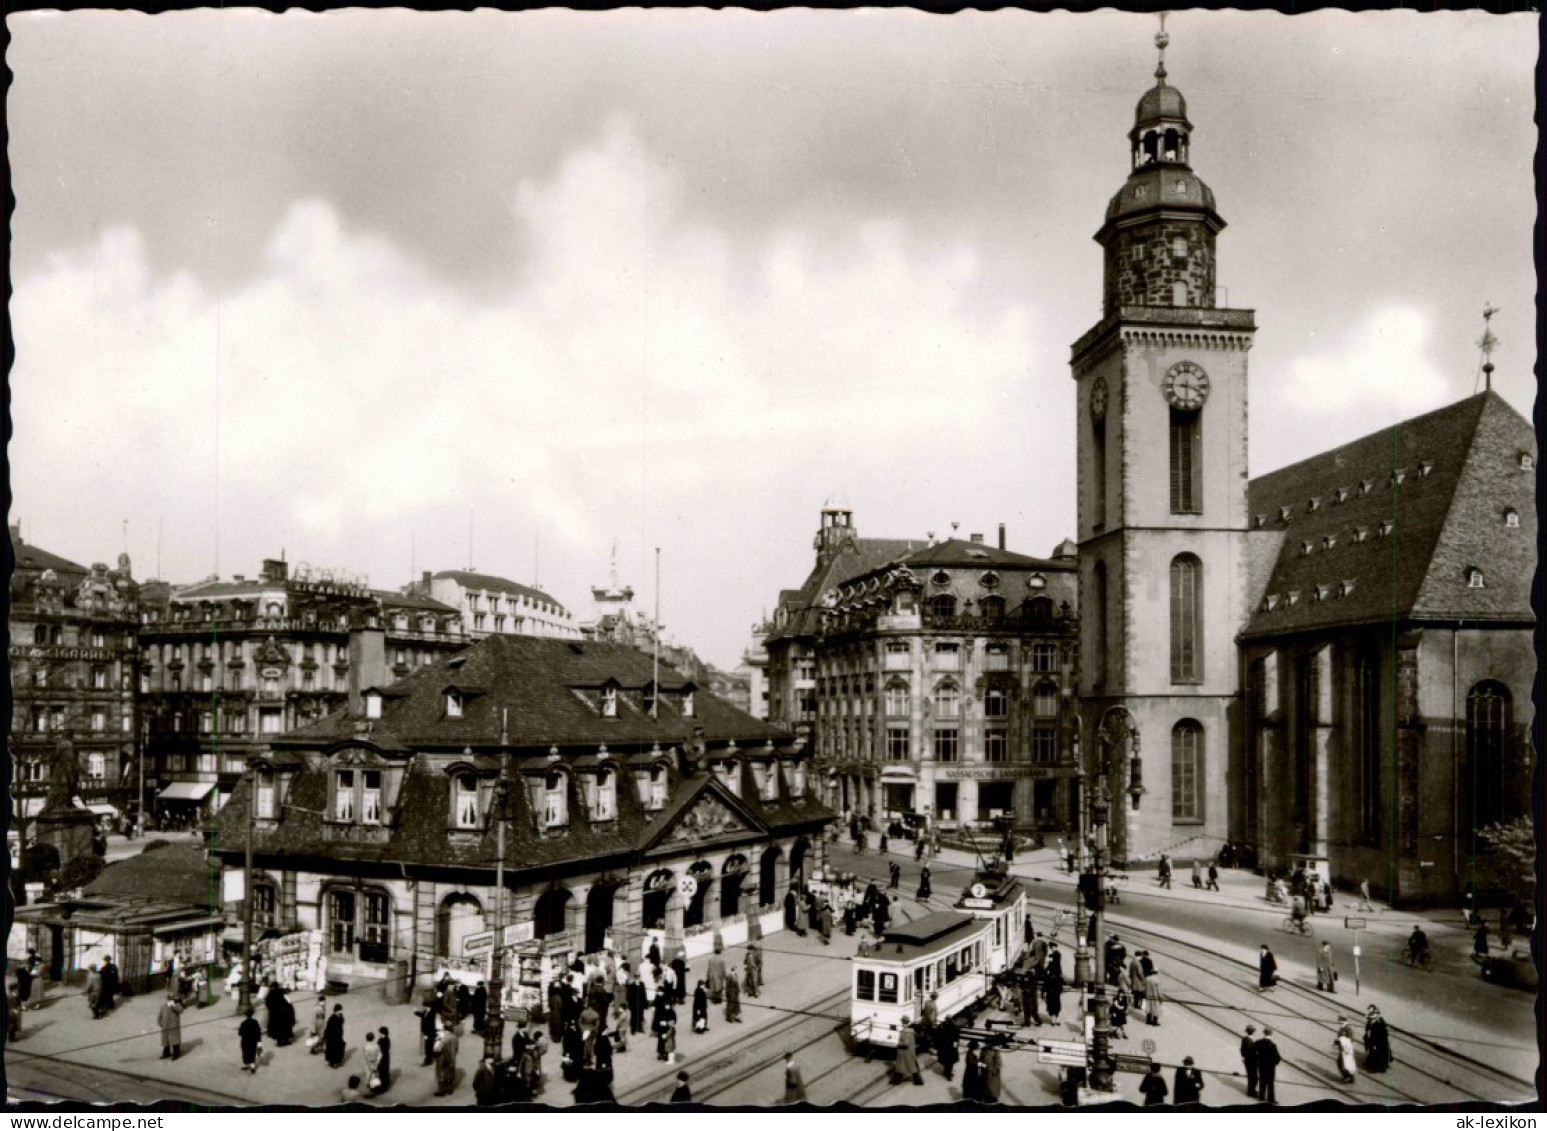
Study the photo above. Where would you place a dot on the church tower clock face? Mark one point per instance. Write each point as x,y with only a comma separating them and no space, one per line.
1186,386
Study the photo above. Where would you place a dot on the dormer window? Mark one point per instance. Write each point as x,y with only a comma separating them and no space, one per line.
687,704
989,580
1321,592
1474,578
609,702
1386,527
1314,504
464,801
1306,548
555,800
264,807
657,793
1424,468
453,705
1527,462
1346,587
1360,534
1270,602
650,697
768,783
1293,596
1259,520
1397,476
1365,486
726,771
605,805
1328,541
1511,518
941,577
373,705
1283,514
1341,495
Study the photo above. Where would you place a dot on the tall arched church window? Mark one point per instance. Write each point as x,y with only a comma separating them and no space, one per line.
1099,472
1187,771
1186,619
1186,457
1367,689
1488,710
1099,608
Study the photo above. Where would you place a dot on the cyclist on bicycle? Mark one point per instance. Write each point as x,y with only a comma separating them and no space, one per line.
1418,945
1297,911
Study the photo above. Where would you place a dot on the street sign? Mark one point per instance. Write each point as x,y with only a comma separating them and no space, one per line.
1148,1045
1353,924
1127,1062
1068,1053
476,944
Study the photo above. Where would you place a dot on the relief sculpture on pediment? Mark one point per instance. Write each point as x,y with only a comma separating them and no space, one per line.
708,818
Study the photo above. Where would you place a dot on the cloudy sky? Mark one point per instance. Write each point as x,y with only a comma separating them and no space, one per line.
350,285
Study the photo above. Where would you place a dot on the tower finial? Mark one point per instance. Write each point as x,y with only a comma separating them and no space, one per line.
1487,343
1162,41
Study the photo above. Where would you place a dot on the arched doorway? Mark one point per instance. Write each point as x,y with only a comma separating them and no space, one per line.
798,863
551,914
730,885
658,888
768,876
697,907
598,916
460,916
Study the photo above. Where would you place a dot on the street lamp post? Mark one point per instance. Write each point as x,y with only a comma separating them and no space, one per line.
244,1000
494,1018
1101,1066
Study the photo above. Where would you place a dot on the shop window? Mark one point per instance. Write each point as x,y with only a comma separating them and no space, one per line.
96,765
264,902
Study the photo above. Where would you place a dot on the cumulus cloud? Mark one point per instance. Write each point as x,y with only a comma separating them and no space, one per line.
635,358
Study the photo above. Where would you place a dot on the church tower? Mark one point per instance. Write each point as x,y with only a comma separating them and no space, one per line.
1161,450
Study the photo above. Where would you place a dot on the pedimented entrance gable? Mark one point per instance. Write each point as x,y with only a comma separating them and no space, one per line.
706,815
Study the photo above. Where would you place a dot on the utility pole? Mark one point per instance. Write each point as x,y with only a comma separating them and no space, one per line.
1101,1063
244,1000
494,1019
655,664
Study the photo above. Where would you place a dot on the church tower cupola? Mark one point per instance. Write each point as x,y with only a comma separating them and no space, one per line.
1160,228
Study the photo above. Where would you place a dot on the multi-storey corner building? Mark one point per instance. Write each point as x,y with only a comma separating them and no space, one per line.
944,687
73,654
493,606
230,665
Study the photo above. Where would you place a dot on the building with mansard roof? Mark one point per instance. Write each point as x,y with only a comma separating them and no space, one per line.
631,804
491,604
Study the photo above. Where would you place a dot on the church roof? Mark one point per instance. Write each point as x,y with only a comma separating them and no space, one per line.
1388,527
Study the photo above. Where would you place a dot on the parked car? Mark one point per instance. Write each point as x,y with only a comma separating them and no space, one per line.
1513,967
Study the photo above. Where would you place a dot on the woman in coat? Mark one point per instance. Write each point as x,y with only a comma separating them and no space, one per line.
664,1024
1153,1087
794,1082
384,1045
700,1008
1053,990
320,1026
250,1034
333,1038
35,986
946,1036
715,977
281,1016
371,1056
924,883
1267,968
679,967
992,1067
1326,973
791,913
1343,1050
906,1066
732,1000
972,1074
1152,996
1377,1042
446,1063
94,992
571,1051
754,982
555,1011
170,1018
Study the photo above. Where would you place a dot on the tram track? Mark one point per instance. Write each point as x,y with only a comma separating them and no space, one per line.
1434,1061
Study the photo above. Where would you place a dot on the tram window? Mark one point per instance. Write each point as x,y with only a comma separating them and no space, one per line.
953,967
918,981
889,988
999,932
865,985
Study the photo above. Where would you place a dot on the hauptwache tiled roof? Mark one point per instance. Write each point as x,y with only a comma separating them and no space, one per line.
540,687
176,873
1388,527
854,557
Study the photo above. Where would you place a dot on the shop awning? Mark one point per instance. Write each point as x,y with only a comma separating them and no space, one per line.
186,791
102,809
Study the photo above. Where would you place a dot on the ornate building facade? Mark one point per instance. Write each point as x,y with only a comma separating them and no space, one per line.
944,687
74,649
229,665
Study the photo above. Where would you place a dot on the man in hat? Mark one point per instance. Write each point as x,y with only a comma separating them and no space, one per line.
1249,1059
1377,1042
906,1066
1267,1066
1267,968
1187,1087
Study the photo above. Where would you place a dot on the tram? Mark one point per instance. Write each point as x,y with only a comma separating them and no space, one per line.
999,898
945,953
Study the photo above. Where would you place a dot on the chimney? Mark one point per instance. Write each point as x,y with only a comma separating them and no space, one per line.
425,578
1001,535
274,569
367,665
977,539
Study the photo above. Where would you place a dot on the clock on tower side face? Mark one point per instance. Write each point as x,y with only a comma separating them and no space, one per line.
1098,400
1186,385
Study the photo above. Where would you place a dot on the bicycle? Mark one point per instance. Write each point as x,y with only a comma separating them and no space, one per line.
1293,924
1423,960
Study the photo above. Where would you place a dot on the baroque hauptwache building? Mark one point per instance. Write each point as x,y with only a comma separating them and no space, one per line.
632,806
1332,659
